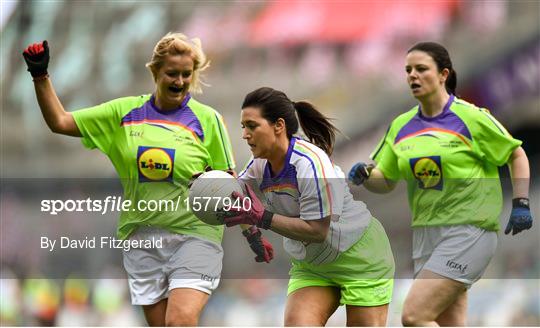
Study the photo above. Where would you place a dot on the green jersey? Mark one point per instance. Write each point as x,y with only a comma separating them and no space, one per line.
450,164
155,154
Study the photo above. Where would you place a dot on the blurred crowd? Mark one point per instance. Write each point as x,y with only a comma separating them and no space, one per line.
248,302
70,302
309,49
347,58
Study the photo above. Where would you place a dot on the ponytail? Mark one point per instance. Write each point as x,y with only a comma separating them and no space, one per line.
451,82
316,126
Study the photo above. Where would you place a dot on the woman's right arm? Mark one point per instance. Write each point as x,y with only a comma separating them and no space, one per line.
378,183
57,119
312,231
371,178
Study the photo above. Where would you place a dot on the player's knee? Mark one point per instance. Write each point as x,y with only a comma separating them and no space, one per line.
411,318
407,319
417,315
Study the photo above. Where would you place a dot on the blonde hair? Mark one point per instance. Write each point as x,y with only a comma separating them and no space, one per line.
179,44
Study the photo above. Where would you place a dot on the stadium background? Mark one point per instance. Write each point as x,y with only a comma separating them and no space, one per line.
346,57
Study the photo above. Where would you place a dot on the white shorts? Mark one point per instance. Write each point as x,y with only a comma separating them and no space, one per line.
183,262
460,252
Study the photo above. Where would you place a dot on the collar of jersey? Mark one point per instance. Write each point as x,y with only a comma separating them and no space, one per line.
169,112
444,111
285,167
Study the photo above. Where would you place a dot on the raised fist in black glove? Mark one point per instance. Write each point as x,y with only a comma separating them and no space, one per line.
37,58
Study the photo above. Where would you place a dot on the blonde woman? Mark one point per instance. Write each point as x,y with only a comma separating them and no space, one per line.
157,142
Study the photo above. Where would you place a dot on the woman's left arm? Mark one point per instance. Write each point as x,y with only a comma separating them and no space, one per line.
313,231
520,173
520,217
256,214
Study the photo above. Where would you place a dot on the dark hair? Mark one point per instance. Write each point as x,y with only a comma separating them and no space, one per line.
275,104
442,58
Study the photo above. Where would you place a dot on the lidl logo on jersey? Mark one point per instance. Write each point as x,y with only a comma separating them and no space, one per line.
428,172
155,164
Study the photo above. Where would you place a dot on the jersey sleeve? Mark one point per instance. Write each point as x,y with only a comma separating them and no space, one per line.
491,141
248,170
318,186
251,174
385,157
248,174
338,185
218,144
98,124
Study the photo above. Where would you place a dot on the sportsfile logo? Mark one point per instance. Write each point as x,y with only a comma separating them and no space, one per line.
456,266
155,164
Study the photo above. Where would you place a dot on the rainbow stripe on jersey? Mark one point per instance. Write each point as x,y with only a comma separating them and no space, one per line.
312,154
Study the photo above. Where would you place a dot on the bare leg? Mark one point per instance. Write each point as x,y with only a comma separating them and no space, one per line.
311,306
185,306
456,314
155,313
430,295
374,316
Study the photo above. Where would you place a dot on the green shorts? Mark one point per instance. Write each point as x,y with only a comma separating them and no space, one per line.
364,273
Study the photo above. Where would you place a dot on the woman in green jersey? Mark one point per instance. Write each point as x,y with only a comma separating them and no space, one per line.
156,142
448,151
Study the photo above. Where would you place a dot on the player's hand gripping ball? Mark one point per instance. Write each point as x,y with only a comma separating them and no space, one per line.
210,196
253,214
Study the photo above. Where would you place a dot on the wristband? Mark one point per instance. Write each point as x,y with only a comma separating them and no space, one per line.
521,202
266,220
41,78
251,231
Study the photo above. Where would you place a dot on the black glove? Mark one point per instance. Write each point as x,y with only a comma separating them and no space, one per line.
37,58
259,245
520,218
360,172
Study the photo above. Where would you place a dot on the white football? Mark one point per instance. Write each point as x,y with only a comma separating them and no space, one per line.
209,193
